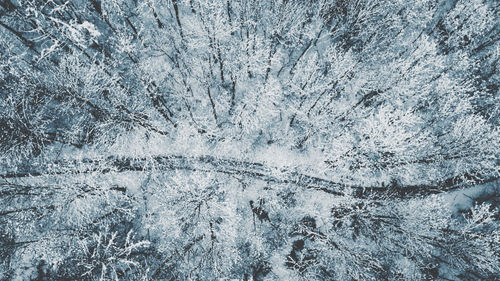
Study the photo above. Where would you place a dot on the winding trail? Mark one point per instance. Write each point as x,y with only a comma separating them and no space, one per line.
245,169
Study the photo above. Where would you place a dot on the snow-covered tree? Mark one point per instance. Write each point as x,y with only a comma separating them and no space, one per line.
250,140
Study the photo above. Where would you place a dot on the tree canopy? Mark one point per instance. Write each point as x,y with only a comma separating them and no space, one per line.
249,140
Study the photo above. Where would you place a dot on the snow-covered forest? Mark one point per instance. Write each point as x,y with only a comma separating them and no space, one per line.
249,140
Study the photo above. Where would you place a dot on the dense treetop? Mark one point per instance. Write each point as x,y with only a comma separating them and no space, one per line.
135,133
